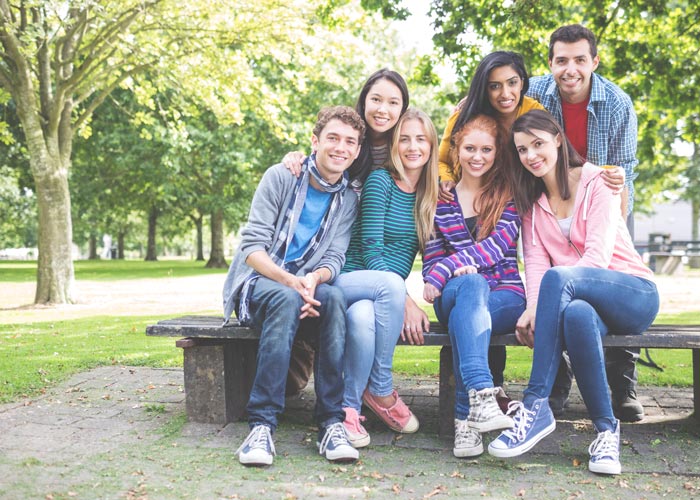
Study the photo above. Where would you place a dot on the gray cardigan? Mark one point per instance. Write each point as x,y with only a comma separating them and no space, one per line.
265,221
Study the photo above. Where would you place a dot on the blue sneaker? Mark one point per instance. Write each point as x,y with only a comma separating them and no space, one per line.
530,426
605,452
258,448
334,444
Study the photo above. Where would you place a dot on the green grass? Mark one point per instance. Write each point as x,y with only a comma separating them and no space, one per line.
676,363
108,270
38,355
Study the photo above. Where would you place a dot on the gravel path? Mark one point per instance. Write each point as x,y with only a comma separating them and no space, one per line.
202,294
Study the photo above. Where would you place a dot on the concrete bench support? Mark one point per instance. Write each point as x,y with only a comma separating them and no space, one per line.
220,363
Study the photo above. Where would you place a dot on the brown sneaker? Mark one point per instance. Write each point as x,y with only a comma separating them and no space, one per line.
502,399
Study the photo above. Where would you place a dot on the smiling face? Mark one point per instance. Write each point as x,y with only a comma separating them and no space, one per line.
504,89
336,148
413,146
476,152
572,66
538,152
383,106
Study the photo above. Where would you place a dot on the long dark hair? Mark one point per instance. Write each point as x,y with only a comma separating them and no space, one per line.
526,187
477,101
362,165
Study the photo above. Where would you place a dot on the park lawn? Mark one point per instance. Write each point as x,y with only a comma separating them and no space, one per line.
108,270
39,355
35,356
676,363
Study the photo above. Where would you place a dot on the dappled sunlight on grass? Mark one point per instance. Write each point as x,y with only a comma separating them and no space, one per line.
103,270
40,354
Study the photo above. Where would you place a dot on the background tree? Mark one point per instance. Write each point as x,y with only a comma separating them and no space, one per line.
17,201
647,48
59,61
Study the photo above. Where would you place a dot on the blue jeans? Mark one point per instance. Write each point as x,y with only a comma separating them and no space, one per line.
576,307
275,310
472,313
376,301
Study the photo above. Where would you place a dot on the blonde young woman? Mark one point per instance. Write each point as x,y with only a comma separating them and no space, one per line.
397,207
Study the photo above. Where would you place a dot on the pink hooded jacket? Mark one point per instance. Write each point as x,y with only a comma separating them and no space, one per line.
598,238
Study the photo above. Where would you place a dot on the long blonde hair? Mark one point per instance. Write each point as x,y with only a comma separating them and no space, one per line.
427,187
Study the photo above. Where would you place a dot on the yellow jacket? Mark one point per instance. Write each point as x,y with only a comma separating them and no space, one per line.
444,152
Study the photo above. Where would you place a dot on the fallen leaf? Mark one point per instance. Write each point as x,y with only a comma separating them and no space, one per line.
436,491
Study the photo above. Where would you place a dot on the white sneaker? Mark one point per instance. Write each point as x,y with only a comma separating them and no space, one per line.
258,448
334,444
484,413
605,452
467,440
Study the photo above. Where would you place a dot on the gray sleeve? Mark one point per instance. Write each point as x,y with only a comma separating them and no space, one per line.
265,211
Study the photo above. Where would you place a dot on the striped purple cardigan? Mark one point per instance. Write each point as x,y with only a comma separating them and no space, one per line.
452,247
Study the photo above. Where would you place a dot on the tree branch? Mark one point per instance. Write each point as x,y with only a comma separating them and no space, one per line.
85,114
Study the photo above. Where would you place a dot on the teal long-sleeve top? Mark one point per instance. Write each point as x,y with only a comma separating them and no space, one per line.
384,235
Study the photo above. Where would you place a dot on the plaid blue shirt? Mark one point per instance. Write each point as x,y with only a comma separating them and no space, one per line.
612,124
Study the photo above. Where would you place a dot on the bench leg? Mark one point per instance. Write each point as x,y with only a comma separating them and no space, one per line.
218,378
446,426
696,383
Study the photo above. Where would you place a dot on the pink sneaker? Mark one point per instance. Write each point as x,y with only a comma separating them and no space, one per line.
357,434
399,418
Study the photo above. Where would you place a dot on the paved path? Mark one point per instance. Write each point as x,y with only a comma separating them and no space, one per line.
120,432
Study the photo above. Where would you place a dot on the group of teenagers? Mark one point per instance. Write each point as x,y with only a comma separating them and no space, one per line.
332,236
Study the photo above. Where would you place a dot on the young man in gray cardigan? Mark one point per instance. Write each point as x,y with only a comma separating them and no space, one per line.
293,244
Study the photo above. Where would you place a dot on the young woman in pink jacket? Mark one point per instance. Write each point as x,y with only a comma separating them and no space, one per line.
584,280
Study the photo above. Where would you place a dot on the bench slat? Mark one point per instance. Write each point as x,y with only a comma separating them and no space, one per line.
657,336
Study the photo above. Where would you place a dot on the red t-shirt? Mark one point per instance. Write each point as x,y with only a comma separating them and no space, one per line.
576,125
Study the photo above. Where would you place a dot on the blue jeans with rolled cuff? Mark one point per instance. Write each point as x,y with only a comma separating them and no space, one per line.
275,310
473,312
576,307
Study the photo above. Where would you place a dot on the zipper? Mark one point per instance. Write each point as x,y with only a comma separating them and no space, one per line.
571,244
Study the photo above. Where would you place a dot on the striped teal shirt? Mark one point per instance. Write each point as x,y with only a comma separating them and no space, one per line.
384,235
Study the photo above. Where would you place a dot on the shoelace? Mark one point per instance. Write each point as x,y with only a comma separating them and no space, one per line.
605,445
356,424
513,407
259,437
521,421
336,435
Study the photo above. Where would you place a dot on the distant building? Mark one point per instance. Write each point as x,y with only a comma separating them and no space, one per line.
671,218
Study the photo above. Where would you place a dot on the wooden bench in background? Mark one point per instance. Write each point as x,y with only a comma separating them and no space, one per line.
219,363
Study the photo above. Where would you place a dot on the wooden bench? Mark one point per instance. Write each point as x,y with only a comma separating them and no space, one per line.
219,363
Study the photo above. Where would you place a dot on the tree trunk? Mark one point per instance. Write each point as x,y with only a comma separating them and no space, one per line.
92,247
120,245
55,276
198,223
151,253
216,258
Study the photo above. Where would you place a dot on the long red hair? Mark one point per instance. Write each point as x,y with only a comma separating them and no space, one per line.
495,187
